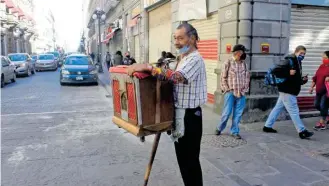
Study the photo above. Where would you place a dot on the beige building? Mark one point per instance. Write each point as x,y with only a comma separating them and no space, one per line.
148,26
17,26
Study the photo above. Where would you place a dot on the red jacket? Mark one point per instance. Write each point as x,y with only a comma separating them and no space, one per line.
319,78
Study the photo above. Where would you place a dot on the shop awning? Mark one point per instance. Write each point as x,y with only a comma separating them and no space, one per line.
9,3
20,12
14,10
110,35
2,1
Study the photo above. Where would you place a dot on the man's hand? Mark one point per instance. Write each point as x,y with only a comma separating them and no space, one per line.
292,72
327,79
311,90
136,68
305,78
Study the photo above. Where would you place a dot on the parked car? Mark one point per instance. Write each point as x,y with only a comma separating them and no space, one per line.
46,62
23,63
8,71
57,57
77,69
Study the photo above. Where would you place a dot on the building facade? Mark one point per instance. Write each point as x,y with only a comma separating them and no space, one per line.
148,26
17,26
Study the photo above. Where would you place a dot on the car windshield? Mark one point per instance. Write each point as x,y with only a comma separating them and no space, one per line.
56,54
17,57
78,60
46,57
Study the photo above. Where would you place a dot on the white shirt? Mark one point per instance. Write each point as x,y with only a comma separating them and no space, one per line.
194,93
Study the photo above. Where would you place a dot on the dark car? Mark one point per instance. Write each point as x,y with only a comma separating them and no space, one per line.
78,69
23,62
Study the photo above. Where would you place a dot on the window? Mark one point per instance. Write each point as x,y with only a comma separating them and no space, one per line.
78,60
4,62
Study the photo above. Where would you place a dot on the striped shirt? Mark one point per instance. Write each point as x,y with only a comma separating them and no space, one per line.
192,92
235,77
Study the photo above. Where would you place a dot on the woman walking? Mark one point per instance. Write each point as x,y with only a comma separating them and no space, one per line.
321,99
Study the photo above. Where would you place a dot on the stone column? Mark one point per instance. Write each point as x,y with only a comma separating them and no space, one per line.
261,26
174,22
144,35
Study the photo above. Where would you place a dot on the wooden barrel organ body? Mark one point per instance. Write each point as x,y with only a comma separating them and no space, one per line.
143,105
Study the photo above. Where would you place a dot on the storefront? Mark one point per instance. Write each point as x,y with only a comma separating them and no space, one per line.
309,27
208,48
160,33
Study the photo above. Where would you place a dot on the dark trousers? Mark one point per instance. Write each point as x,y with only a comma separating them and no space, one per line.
188,148
321,103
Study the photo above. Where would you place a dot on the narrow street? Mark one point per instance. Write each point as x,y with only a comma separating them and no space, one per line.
63,135
53,135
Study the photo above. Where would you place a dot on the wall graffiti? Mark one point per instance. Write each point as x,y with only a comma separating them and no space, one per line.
258,87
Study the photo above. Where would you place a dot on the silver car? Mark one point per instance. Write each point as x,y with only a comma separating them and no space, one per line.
46,62
23,62
8,71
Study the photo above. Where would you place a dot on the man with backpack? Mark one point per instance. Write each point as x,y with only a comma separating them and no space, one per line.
235,78
291,79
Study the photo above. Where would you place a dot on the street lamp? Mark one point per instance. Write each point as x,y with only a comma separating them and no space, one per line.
100,16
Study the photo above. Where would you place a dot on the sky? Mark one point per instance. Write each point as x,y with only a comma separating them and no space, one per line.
69,20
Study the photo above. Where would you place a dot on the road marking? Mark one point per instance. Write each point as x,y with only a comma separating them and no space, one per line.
55,112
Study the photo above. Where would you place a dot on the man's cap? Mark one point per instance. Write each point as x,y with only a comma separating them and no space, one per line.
239,47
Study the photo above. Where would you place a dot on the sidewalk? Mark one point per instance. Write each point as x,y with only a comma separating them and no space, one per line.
259,159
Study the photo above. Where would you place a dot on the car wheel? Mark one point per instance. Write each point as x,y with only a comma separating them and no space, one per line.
96,83
28,72
2,81
14,78
62,84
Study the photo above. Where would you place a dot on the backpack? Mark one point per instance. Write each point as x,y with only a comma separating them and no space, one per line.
271,79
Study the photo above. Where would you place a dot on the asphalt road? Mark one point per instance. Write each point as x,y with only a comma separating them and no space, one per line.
63,135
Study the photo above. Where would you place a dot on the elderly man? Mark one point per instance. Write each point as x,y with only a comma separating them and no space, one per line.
235,80
190,93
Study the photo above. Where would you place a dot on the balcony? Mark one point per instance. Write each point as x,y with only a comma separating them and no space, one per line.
11,19
3,16
22,25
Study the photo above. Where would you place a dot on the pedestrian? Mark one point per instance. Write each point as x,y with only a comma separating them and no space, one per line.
235,78
92,55
118,58
108,60
190,93
321,99
128,60
291,71
160,61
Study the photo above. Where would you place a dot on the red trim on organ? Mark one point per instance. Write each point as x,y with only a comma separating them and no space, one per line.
131,102
208,49
116,98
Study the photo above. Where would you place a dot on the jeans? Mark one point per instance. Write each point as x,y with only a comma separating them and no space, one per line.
188,148
232,103
321,103
289,102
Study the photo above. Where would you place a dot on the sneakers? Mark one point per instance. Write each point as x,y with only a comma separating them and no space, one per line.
269,130
218,132
236,136
305,134
320,126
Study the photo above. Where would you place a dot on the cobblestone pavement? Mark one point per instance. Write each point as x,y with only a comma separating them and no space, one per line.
53,135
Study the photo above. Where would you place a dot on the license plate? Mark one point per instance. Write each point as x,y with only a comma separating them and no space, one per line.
79,78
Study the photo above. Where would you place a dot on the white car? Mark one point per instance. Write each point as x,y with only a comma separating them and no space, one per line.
8,71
